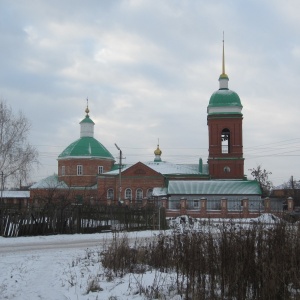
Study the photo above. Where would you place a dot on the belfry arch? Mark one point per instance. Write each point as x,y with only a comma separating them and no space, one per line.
225,141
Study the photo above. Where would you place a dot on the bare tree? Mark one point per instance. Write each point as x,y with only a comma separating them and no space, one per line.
17,156
291,188
262,177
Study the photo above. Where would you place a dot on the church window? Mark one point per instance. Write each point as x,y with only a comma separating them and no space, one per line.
100,169
196,203
225,140
63,171
79,170
149,193
139,194
128,194
110,194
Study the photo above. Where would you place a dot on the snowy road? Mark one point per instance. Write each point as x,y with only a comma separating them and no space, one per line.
62,245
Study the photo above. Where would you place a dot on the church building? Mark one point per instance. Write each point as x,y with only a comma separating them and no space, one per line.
89,172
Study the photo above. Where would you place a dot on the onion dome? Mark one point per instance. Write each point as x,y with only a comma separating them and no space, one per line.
86,145
157,153
224,100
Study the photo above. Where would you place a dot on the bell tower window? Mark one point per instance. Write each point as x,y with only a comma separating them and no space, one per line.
225,140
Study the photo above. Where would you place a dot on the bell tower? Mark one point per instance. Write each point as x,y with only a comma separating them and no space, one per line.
225,131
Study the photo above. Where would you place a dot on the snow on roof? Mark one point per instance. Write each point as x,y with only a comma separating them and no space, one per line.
195,167
268,218
49,182
15,194
116,171
164,168
159,191
170,168
52,182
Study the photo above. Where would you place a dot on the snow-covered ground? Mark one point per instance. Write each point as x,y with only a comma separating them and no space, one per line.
67,267
58,267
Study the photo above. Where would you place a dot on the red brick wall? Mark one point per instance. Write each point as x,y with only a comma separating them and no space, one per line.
90,170
138,176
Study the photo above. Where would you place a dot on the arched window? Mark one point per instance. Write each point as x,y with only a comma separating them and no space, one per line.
139,194
128,194
149,193
225,140
110,194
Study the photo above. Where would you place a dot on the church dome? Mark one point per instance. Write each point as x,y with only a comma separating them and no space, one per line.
87,120
157,151
224,97
224,100
86,147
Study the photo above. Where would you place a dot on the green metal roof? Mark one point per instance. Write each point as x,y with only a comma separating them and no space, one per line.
224,97
87,120
223,76
86,146
214,187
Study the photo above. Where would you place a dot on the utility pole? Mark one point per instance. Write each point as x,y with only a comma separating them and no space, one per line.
159,217
2,185
120,167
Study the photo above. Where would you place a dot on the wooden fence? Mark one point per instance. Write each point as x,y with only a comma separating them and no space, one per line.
72,219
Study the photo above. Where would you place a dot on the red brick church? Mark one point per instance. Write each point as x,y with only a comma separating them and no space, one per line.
88,172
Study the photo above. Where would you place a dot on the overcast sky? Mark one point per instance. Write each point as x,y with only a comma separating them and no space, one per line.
148,68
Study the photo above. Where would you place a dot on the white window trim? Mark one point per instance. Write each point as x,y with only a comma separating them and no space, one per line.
196,203
79,170
108,193
100,169
136,194
63,171
128,189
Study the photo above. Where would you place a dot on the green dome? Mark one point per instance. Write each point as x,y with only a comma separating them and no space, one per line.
87,120
86,147
224,97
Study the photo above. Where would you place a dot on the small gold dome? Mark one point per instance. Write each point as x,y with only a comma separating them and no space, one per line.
157,151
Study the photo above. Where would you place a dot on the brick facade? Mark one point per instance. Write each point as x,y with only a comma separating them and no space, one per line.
224,165
89,170
137,177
